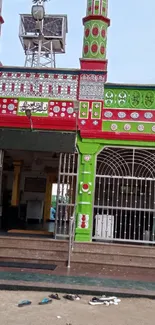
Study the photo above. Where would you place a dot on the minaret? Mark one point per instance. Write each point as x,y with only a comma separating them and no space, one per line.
95,36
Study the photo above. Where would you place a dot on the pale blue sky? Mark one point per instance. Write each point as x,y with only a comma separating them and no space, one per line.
131,37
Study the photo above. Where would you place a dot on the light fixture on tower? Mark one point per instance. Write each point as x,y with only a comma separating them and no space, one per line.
42,36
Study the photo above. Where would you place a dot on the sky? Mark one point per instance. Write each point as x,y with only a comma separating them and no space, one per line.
131,37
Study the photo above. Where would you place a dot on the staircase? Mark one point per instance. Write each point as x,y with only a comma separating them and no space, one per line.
114,258
86,258
33,250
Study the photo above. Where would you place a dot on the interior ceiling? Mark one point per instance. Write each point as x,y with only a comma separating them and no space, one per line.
30,158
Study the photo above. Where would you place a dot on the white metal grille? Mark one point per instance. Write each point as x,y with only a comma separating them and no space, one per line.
66,195
124,205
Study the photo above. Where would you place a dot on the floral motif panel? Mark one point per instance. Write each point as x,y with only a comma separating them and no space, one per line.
130,98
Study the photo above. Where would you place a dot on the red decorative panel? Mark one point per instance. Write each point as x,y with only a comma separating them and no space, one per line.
8,106
62,110
131,115
60,114
90,113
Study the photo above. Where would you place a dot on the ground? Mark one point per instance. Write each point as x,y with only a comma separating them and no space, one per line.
129,312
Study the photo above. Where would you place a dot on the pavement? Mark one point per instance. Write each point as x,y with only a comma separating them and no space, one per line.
63,312
76,281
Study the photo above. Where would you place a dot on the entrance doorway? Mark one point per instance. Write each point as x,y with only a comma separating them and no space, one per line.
124,209
44,182
26,191
32,163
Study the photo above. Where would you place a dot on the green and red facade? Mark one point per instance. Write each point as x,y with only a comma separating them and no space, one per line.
109,114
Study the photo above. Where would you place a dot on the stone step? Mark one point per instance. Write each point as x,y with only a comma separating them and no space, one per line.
116,259
33,254
33,243
108,248
61,263
115,271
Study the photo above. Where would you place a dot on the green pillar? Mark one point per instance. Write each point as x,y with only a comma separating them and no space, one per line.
95,30
86,185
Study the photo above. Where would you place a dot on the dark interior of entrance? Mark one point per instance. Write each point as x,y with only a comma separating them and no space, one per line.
38,192
26,184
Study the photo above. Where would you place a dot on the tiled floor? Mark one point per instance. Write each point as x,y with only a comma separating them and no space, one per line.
63,279
76,280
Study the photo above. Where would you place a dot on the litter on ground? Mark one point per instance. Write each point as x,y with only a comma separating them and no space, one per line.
54,296
72,297
24,303
45,301
103,300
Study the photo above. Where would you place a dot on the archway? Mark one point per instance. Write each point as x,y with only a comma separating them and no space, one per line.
124,204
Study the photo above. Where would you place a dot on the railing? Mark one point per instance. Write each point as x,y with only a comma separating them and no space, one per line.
71,239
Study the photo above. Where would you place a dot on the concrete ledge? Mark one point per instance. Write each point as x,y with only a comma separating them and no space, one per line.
68,288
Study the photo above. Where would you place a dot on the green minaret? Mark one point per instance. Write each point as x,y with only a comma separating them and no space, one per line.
95,35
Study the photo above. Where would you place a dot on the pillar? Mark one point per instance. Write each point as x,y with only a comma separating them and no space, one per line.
95,35
51,178
85,193
16,183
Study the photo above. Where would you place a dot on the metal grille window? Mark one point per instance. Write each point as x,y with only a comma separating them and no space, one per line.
124,208
66,195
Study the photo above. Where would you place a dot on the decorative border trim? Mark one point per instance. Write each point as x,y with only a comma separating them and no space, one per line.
50,71
117,136
96,17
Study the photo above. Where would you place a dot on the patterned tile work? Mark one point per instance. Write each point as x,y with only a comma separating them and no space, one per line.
38,85
92,87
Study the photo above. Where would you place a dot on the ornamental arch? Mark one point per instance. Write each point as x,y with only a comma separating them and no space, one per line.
124,202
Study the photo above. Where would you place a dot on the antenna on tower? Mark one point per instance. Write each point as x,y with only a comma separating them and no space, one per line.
42,36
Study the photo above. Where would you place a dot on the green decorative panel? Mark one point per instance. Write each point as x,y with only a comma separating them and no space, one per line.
84,110
96,110
129,127
129,98
95,39
85,192
104,7
97,7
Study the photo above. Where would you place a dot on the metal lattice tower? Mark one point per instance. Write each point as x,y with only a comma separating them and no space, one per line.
42,40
